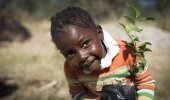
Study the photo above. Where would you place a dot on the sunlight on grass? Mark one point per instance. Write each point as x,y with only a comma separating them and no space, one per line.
158,62
31,69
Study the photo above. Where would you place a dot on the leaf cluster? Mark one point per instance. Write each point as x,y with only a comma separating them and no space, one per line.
138,47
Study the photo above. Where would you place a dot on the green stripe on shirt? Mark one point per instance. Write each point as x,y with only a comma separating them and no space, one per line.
146,95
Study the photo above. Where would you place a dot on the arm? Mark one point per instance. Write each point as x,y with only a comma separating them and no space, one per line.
76,88
144,82
142,78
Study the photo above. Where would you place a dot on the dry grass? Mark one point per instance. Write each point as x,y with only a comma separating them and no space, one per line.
35,63
159,63
31,65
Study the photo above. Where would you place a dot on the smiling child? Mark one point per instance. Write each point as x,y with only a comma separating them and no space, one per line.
94,59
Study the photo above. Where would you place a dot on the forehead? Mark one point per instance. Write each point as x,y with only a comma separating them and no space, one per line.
73,34
78,30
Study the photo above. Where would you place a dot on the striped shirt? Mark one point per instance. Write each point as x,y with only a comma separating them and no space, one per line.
121,71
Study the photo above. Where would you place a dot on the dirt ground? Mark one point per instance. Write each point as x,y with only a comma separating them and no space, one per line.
33,70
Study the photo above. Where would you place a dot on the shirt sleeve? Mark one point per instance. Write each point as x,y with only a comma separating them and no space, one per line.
144,82
76,88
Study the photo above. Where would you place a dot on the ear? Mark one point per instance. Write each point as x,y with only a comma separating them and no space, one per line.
100,32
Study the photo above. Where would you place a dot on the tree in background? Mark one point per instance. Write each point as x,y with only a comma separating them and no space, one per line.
14,11
10,28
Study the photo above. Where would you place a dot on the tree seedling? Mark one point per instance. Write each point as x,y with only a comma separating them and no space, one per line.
138,47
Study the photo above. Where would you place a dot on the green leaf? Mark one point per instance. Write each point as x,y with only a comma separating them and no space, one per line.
130,19
135,10
142,65
137,54
132,46
148,43
143,45
136,29
147,18
134,38
142,61
147,49
138,68
123,25
128,30
141,51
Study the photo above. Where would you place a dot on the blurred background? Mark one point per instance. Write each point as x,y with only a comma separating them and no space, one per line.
31,68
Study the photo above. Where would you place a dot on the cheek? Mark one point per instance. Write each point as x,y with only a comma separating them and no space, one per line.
97,49
73,63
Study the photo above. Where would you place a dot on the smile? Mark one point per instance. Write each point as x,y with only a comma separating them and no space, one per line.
87,64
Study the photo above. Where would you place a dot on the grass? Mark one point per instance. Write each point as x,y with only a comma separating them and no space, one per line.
31,68
34,64
159,63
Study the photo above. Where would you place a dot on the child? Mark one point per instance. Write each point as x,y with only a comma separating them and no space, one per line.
94,59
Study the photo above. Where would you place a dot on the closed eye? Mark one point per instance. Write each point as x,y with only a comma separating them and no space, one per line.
70,55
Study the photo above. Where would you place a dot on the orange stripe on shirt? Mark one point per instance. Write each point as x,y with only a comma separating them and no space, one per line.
142,76
146,86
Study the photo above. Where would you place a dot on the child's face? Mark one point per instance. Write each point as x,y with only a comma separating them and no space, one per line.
82,47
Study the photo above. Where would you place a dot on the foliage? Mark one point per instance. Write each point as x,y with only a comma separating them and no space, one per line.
46,8
138,47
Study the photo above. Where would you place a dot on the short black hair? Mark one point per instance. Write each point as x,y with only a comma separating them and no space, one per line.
70,16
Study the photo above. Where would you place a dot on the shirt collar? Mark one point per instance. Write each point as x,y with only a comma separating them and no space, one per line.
112,50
